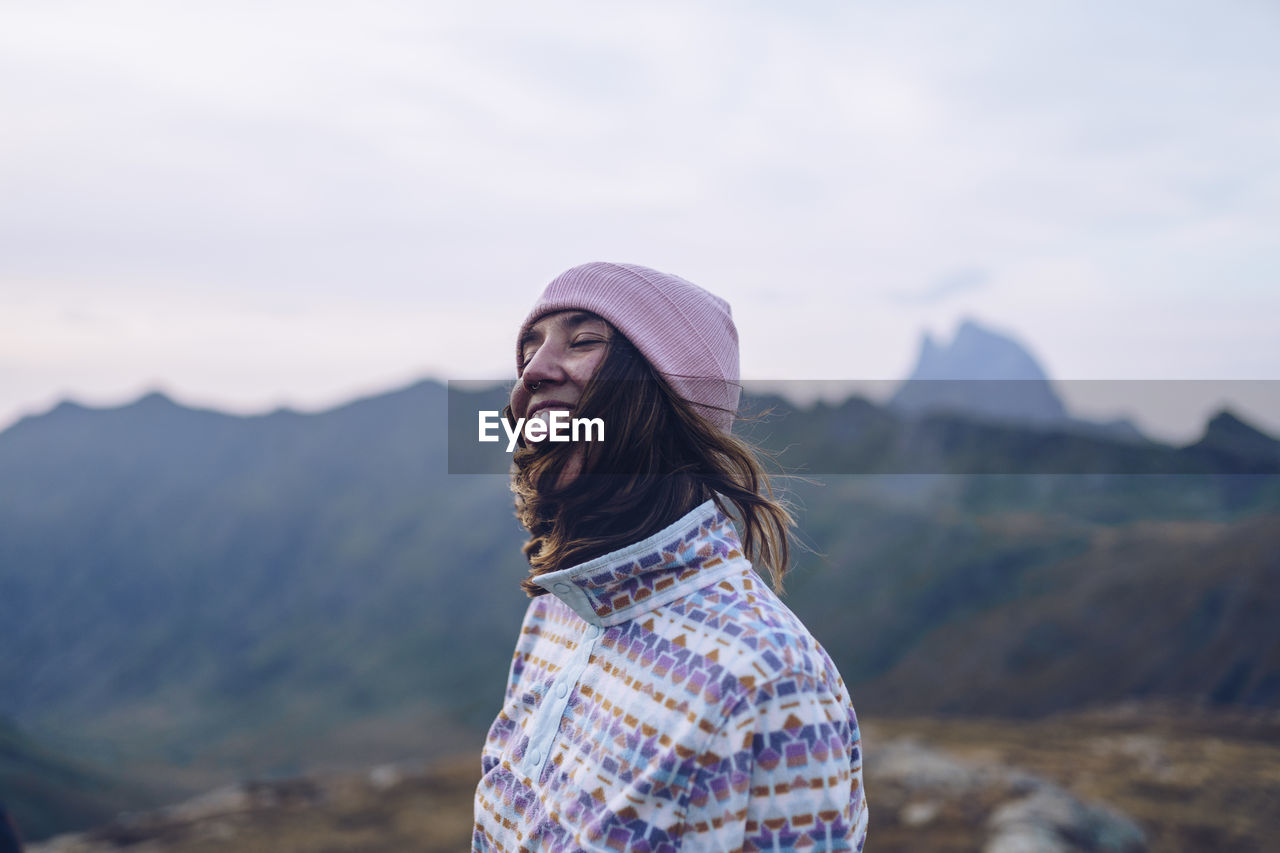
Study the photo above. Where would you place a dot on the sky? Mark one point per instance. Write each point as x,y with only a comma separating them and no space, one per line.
249,205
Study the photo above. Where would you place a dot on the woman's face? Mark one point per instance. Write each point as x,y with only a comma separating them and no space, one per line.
559,354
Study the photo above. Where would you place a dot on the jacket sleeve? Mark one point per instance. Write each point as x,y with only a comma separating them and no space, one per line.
783,773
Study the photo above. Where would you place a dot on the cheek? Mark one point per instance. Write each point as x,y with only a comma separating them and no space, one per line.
588,367
519,399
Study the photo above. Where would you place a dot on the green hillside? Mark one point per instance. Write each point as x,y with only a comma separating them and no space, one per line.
48,792
195,596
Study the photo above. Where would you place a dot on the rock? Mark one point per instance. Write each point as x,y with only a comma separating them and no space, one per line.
918,767
1050,820
385,776
919,814
1003,809
220,801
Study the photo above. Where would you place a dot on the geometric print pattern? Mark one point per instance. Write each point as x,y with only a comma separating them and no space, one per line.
620,587
701,716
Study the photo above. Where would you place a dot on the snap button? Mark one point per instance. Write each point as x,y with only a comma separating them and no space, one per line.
536,758
562,690
593,632
562,588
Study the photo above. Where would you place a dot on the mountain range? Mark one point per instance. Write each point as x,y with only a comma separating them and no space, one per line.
188,596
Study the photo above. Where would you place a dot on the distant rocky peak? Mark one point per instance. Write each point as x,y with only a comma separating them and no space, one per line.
155,398
1227,431
980,372
929,348
976,352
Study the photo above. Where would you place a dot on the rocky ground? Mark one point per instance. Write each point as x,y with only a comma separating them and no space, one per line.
391,809
1190,780
1127,780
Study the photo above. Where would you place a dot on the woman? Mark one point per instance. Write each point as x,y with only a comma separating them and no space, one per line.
661,697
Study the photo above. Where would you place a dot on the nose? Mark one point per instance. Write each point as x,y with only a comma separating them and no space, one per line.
546,366
544,370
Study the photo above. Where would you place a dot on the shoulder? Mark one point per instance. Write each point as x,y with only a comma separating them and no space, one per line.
739,622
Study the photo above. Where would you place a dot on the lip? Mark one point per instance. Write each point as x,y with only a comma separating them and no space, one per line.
547,404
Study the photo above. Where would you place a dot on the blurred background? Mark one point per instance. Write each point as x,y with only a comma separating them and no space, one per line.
243,249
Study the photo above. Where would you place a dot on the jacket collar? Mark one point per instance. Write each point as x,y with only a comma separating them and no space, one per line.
694,552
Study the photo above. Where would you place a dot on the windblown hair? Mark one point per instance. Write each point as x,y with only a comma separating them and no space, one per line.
660,459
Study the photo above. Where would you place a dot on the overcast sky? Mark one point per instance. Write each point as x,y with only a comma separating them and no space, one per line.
251,204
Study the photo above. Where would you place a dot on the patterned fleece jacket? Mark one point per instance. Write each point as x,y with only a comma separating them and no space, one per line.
662,698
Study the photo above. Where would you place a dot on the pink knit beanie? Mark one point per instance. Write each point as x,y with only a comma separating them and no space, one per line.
685,332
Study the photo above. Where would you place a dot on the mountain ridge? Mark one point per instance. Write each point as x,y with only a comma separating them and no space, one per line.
225,594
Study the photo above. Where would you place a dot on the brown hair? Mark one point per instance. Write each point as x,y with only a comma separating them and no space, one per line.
660,459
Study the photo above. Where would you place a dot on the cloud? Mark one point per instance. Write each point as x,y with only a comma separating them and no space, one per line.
965,280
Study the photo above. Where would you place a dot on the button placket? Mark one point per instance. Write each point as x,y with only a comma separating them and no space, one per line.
549,720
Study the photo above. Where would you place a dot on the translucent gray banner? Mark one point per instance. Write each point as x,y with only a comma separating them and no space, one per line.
825,427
